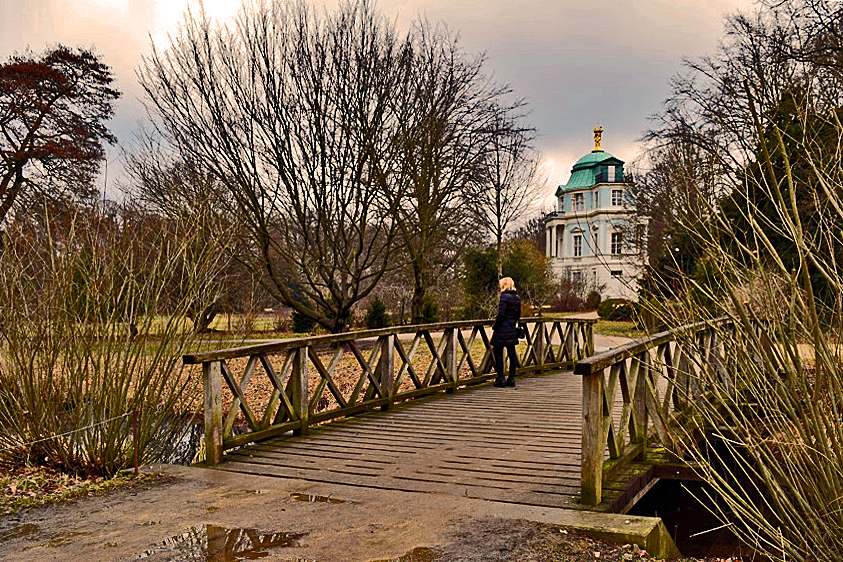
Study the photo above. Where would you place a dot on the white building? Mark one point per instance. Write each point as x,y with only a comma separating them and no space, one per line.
593,237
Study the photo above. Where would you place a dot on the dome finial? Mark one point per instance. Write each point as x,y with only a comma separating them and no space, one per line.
598,134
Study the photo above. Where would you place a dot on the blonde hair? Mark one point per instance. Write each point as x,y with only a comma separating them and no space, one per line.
506,284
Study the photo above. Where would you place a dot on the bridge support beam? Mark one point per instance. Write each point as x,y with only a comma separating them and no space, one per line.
538,346
387,368
450,336
212,373
300,398
592,439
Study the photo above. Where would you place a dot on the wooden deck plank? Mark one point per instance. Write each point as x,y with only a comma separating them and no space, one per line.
519,446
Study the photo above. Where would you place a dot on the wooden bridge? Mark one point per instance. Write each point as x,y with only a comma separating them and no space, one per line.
407,409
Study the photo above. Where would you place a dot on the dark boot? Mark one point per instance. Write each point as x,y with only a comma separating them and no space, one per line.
510,381
499,382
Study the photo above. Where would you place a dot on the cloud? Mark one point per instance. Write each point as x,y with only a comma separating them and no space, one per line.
576,63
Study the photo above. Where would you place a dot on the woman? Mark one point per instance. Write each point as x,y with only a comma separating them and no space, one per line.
504,332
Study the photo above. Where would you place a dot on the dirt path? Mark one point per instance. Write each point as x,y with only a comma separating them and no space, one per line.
198,514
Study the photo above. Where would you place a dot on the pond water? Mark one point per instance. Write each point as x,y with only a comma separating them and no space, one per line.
696,532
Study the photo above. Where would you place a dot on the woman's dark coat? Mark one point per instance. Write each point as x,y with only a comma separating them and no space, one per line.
509,313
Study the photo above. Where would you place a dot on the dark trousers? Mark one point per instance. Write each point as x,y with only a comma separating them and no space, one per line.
513,359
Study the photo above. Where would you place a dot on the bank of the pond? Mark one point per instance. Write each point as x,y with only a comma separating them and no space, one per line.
207,514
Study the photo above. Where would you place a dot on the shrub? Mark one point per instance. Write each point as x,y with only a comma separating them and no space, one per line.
302,324
592,301
570,296
616,309
95,316
430,310
283,322
376,315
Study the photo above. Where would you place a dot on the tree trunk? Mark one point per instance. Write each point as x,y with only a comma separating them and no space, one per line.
9,193
419,290
500,256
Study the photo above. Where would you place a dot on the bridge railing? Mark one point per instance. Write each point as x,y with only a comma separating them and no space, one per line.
259,391
653,380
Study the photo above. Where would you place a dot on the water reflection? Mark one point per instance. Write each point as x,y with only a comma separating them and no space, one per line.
17,532
315,499
218,544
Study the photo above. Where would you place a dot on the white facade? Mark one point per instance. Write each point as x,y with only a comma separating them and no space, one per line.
593,235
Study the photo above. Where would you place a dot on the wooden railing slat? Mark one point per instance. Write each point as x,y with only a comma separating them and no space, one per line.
239,396
327,377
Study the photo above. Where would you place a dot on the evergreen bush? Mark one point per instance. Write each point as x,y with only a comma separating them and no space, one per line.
376,315
430,310
616,309
592,301
302,324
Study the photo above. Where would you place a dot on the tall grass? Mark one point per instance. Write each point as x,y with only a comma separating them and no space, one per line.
771,442
83,349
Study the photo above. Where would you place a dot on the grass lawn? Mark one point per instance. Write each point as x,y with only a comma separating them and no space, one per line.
615,328
604,327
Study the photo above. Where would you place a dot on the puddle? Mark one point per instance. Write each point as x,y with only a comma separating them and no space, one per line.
17,532
418,554
315,499
65,538
239,493
218,544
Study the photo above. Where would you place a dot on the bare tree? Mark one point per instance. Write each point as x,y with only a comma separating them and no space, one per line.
534,230
765,54
704,147
289,110
170,189
508,186
449,112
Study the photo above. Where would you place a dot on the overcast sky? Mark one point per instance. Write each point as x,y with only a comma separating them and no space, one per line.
576,62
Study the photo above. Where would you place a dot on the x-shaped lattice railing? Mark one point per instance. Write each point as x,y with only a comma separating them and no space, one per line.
289,385
640,387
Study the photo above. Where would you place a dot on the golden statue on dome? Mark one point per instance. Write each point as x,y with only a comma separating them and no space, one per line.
598,134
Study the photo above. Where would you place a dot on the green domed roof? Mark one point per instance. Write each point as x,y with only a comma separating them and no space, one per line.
592,158
588,169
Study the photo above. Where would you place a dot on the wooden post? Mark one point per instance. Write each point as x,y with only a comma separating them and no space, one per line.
300,399
569,343
387,367
639,405
450,336
212,373
591,479
538,345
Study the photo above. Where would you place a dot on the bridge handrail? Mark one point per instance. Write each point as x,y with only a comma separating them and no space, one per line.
274,346
607,358
638,369
303,390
